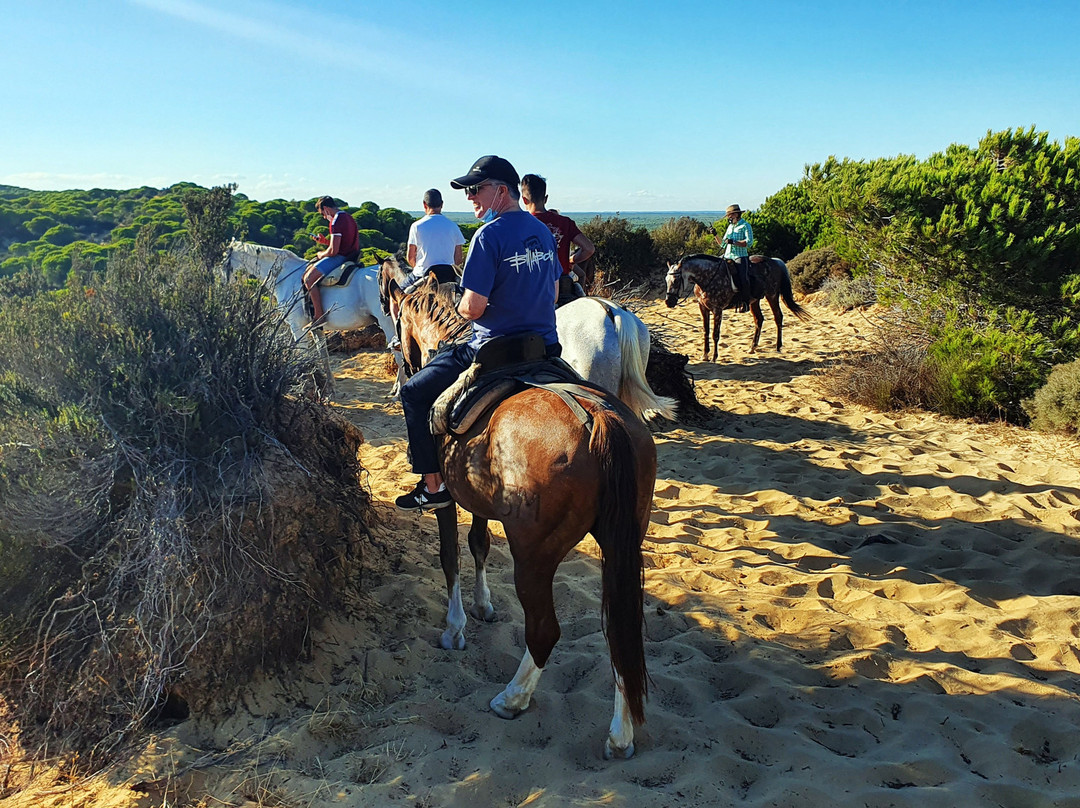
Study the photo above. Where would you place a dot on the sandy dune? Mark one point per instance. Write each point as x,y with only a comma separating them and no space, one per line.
843,608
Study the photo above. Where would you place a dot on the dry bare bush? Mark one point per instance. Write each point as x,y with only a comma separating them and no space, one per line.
894,372
175,512
361,339
667,376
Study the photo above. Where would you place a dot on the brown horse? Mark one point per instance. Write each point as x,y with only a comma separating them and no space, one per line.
714,288
531,464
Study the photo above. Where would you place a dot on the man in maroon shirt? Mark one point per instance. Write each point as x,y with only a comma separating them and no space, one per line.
342,245
563,228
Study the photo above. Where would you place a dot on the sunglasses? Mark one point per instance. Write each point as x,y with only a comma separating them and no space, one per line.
473,190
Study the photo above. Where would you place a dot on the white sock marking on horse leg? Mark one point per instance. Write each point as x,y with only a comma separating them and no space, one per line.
518,693
453,639
620,740
482,608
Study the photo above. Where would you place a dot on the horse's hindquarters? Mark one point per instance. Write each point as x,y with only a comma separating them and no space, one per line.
526,463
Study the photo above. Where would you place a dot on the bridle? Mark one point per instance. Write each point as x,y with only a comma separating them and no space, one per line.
676,280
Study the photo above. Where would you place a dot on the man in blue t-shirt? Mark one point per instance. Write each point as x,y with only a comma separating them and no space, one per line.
510,282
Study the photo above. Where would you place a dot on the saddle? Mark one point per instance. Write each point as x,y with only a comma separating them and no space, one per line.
755,281
503,367
337,277
340,276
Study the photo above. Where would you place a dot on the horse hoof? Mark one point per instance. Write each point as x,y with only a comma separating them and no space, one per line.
485,613
498,706
611,752
452,642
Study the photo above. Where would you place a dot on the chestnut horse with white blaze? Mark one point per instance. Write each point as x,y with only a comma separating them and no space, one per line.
531,463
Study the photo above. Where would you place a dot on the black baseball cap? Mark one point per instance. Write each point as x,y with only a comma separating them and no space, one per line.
488,167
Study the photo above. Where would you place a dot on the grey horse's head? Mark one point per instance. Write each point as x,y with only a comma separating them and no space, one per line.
676,283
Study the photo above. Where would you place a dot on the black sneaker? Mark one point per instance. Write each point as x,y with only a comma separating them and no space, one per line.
420,498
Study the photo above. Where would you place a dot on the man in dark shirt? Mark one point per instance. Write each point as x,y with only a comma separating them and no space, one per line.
564,229
342,245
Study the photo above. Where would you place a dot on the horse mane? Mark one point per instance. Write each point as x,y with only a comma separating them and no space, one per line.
434,307
699,256
251,248
397,272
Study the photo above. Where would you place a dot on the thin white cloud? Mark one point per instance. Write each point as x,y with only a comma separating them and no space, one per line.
357,45
262,26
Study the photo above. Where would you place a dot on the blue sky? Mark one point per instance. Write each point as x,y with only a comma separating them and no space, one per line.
622,106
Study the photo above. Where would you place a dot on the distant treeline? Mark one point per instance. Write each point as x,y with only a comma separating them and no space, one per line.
53,232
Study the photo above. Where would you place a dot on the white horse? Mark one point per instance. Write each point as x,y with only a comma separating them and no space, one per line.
354,305
607,344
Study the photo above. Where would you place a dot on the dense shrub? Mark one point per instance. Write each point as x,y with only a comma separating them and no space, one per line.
624,254
810,269
683,236
60,236
989,369
174,514
994,224
790,222
1055,407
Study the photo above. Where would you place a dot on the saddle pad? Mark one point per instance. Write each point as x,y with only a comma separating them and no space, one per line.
340,276
474,393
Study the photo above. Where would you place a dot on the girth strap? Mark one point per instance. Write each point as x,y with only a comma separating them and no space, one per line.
568,393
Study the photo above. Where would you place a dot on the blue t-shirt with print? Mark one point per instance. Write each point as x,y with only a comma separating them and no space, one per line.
514,263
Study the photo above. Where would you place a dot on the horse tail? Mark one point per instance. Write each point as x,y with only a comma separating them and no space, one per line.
786,293
619,534
634,389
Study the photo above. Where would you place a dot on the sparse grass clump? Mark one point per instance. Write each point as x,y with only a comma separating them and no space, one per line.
849,293
175,513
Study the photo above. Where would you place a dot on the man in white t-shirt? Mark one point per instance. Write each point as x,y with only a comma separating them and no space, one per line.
435,243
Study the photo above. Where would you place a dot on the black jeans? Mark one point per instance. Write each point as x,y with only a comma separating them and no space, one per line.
742,266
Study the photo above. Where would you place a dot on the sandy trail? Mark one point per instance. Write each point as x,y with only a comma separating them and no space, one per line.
842,608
